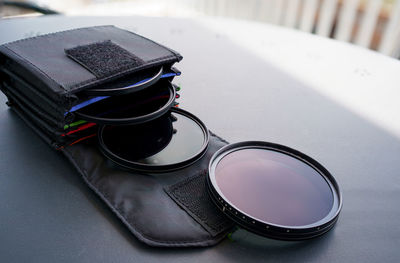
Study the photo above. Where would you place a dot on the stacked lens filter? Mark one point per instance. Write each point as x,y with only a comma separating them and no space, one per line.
103,82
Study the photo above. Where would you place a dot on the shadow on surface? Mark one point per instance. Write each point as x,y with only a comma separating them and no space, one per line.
240,97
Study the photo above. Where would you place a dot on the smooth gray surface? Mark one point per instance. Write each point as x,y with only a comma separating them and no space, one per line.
47,214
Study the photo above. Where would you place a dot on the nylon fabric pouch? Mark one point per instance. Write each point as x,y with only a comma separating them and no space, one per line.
57,70
45,77
170,209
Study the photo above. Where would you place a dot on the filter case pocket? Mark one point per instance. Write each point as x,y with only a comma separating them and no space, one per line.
62,64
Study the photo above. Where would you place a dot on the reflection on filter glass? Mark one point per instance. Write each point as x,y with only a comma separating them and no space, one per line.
167,140
132,142
130,105
274,187
187,140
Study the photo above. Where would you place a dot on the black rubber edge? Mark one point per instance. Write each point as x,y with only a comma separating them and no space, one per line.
125,90
157,168
268,229
134,120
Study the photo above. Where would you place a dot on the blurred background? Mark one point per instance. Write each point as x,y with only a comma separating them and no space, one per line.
373,24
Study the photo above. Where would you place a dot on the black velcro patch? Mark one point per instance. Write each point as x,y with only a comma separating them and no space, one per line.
191,194
103,58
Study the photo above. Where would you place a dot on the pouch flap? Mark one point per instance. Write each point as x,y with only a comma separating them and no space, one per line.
152,206
63,63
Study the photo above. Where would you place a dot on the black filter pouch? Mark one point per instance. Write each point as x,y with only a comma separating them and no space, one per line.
171,209
164,209
45,77
55,69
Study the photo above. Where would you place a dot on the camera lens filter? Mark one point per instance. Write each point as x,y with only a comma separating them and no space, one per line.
132,108
273,190
170,142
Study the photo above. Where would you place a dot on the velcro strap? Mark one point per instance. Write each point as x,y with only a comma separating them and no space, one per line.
191,194
103,59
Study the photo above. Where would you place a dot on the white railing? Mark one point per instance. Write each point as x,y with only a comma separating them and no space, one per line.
373,24
370,23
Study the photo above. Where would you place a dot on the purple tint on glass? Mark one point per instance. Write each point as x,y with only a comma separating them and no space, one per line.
273,187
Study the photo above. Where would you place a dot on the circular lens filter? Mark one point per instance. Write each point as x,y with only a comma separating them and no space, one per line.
151,138
133,108
124,85
170,142
273,190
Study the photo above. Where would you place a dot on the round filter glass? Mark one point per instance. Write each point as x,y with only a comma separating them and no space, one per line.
128,84
274,190
170,142
133,108
151,138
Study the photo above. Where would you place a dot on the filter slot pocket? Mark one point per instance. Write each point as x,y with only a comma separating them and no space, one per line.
132,108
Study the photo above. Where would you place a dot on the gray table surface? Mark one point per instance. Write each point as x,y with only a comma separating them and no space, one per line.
47,213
